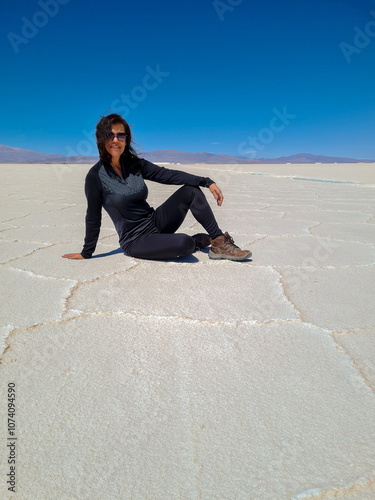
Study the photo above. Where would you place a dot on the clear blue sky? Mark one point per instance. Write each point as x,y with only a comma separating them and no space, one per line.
193,75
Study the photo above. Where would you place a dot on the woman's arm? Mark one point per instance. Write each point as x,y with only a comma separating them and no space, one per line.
153,172
93,218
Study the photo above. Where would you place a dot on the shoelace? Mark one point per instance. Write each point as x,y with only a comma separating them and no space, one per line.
229,239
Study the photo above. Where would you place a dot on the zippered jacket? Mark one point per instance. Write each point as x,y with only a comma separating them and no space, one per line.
125,199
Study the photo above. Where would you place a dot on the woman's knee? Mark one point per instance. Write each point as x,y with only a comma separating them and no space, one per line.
189,191
185,245
181,246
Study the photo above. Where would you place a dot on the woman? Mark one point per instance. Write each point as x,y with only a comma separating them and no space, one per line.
116,183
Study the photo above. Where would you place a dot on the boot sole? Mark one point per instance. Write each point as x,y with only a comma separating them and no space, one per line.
218,256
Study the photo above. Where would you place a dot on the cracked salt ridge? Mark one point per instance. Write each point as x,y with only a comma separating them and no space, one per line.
81,282
319,493
345,266
62,208
46,278
353,183
48,245
7,228
236,323
5,333
76,314
313,235
353,362
39,243
287,298
312,226
327,210
30,273
12,330
6,262
15,218
283,299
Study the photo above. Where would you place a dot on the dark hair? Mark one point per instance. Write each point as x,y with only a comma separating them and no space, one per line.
103,128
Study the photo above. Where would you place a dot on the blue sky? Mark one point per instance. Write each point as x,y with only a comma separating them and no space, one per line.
246,78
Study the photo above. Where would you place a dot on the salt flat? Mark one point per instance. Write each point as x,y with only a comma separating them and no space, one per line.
192,378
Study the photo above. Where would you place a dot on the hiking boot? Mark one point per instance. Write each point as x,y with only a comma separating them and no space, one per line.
223,247
201,241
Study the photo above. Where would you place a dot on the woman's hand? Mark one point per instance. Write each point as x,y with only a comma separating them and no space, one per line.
218,195
73,256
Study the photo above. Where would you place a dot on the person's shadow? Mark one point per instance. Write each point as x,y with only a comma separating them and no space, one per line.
107,254
189,259
192,259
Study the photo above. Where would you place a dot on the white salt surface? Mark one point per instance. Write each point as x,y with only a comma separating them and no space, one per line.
192,378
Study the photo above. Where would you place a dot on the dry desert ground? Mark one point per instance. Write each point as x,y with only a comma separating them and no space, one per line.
191,378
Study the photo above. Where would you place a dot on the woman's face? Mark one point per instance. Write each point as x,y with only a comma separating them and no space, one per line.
115,148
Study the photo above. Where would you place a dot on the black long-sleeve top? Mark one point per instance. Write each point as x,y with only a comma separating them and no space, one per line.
124,199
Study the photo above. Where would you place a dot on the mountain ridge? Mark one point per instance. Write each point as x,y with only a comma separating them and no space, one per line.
9,154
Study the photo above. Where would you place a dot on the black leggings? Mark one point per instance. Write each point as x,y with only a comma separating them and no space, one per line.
168,218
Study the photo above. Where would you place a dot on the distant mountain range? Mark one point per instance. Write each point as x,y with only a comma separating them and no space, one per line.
9,154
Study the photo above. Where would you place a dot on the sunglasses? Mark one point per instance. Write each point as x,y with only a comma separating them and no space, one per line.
121,136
